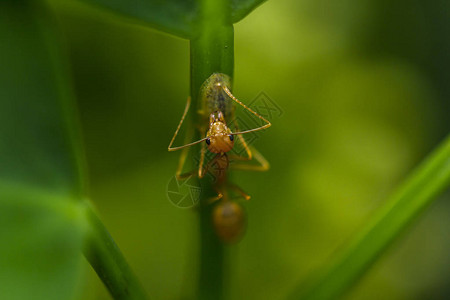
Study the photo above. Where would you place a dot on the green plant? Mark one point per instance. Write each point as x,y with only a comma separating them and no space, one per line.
48,195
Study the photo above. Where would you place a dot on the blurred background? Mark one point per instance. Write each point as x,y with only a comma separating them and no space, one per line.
362,91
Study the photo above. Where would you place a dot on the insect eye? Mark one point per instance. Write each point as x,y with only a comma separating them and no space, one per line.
231,137
208,141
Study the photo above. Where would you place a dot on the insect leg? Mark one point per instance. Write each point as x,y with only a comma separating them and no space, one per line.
262,163
186,109
202,172
181,163
243,142
214,199
240,191
218,186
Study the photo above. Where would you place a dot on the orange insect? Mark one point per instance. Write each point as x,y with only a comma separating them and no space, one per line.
216,106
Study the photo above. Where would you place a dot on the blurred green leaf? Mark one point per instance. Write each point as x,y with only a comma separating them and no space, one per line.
172,16
41,219
177,17
430,179
241,8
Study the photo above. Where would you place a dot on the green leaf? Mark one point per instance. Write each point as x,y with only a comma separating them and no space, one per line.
41,219
430,179
241,8
177,17
172,16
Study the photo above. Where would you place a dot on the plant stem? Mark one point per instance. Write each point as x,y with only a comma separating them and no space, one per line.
430,179
212,51
108,262
212,47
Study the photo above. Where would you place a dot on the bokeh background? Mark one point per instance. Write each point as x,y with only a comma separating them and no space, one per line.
364,91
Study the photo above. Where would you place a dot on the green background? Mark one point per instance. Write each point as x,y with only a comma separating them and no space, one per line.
363,89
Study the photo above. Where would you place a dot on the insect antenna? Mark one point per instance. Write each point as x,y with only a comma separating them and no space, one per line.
267,125
187,145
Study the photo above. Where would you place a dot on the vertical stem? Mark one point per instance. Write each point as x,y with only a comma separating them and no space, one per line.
212,51
212,47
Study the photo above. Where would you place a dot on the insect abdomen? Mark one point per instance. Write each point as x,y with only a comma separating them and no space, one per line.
213,95
229,221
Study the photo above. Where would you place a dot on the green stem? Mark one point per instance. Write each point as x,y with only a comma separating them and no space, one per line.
430,179
212,51
108,262
212,47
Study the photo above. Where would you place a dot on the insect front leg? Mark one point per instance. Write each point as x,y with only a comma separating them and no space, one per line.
201,171
181,163
186,109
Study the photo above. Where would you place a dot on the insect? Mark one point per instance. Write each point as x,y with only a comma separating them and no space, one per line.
215,109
